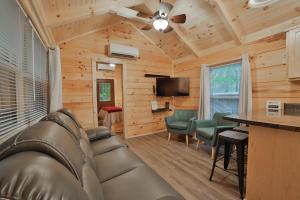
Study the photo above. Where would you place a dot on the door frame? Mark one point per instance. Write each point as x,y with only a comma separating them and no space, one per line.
105,59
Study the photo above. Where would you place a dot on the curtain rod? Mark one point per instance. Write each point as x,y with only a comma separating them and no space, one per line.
226,62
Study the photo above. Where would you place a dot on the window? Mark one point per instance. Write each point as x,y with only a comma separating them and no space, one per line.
23,71
225,88
105,89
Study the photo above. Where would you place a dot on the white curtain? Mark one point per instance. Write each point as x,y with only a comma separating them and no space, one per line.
245,104
55,79
204,104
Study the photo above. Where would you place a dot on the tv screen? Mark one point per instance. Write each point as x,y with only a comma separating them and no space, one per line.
168,87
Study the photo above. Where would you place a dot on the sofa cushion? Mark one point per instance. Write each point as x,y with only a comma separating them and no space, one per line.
88,152
91,183
49,138
140,183
34,175
181,125
69,113
207,132
107,144
64,121
115,163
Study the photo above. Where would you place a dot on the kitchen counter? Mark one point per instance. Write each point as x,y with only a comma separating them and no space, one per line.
269,120
273,160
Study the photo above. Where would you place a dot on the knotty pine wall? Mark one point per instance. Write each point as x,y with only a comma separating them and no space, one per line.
268,70
76,60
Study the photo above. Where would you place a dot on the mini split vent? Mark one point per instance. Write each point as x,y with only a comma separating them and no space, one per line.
122,51
260,3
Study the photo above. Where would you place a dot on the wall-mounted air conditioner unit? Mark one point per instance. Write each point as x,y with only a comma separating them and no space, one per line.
122,51
106,67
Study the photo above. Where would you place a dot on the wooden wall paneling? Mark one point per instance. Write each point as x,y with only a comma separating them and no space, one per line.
268,61
77,58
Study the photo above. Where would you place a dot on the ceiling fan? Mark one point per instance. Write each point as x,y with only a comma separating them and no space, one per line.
161,18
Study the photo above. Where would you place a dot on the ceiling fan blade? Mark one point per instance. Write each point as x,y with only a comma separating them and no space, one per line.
164,9
178,18
168,29
146,28
144,15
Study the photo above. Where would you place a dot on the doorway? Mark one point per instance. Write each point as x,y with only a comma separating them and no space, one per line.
109,96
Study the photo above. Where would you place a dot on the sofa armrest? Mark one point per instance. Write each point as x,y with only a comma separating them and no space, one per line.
98,133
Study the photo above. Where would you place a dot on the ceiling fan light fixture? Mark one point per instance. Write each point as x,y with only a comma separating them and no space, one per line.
160,24
260,3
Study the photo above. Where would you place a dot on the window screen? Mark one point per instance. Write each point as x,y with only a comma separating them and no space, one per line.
23,71
225,88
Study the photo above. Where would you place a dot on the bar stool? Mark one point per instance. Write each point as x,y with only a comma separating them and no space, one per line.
243,129
228,139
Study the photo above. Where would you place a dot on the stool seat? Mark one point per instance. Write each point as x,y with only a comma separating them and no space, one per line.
243,129
234,136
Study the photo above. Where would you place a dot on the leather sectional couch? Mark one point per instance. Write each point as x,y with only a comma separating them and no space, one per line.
57,159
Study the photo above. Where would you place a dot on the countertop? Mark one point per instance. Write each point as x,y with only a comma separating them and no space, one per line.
270,120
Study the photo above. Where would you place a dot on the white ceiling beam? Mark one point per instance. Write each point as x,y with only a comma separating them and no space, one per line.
225,16
183,38
273,30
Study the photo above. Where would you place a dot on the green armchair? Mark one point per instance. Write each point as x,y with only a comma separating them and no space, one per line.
181,123
207,130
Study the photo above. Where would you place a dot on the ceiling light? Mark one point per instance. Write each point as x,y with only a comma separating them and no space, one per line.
160,24
260,3
112,65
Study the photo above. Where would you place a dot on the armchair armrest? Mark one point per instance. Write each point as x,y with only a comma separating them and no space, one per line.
169,119
98,133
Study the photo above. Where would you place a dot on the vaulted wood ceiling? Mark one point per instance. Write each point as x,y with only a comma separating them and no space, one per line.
211,24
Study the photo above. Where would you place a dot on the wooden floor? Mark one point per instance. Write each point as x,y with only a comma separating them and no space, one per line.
186,169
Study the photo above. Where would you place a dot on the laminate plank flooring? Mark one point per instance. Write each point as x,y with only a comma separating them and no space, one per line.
186,169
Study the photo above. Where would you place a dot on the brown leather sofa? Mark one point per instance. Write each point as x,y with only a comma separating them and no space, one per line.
57,159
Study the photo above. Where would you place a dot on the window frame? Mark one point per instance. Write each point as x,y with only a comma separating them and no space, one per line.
224,96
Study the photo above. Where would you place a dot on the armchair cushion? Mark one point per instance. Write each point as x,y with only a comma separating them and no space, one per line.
181,125
207,132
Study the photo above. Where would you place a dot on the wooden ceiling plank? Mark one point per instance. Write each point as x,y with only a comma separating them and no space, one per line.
89,32
183,38
100,8
147,38
273,30
38,8
225,16
34,18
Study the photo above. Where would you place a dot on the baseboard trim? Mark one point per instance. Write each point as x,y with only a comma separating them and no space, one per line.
145,134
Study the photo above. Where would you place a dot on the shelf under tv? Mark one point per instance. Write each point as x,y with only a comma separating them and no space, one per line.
161,110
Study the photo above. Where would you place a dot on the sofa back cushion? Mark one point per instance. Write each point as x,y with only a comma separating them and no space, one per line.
91,183
69,112
64,121
184,115
34,175
48,138
218,118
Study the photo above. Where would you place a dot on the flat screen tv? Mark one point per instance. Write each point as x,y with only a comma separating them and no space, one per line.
167,87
